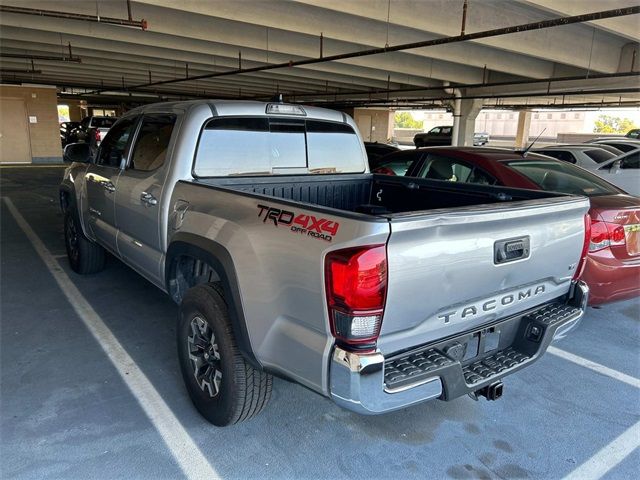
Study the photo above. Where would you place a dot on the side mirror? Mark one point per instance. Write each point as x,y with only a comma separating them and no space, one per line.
77,152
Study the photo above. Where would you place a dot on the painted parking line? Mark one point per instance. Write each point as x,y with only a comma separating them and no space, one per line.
596,367
609,456
186,453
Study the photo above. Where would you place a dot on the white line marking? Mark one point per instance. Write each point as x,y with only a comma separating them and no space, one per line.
596,367
189,457
609,456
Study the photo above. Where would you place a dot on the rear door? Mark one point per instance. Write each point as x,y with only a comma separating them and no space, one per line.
102,181
450,271
139,194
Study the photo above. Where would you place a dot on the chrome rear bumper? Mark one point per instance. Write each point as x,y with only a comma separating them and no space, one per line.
367,383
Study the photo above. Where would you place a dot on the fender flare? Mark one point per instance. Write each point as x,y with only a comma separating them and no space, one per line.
219,258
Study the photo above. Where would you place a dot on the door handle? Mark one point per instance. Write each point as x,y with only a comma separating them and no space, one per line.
149,199
109,187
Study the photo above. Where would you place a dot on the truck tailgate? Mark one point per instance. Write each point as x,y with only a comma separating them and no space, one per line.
450,271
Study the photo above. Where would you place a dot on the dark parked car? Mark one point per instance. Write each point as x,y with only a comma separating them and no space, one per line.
442,136
375,151
93,129
623,144
635,133
613,263
66,133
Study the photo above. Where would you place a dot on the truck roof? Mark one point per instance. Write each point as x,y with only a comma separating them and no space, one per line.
235,107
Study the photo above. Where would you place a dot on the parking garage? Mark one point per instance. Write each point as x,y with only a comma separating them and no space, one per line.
90,383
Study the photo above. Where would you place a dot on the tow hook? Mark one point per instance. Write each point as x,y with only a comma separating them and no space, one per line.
491,392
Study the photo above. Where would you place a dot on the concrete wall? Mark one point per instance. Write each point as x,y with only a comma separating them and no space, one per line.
40,109
375,125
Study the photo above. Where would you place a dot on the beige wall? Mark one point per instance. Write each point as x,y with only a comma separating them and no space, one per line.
375,125
44,135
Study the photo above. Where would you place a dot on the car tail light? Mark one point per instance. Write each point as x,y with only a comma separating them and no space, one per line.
605,234
97,135
356,284
585,247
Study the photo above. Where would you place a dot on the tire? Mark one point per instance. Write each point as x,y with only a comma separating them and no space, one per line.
84,256
223,386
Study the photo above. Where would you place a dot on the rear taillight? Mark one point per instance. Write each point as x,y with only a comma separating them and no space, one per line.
585,247
605,234
356,284
97,135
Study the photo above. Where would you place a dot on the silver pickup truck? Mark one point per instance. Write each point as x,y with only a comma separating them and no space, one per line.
288,258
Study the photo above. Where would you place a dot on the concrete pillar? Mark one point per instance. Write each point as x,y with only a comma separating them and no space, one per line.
522,134
469,110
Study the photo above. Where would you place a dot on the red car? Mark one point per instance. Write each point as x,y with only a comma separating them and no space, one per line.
612,270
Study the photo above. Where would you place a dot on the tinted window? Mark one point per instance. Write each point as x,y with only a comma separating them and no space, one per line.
150,149
632,161
396,164
435,130
599,155
559,154
562,177
270,146
625,147
446,131
113,146
438,167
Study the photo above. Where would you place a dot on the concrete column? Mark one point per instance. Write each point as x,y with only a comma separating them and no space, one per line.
522,134
469,110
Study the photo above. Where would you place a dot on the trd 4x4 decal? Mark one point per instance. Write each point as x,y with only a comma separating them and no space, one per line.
309,225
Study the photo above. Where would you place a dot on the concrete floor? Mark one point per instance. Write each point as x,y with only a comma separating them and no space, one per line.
66,412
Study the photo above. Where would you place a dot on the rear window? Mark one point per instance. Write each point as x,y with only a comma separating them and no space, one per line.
562,177
103,122
625,147
599,155
272,146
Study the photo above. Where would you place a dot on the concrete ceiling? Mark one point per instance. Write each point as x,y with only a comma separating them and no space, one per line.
197,37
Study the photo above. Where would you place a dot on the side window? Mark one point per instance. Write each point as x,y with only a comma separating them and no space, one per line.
446,131
437,167
112,148
150,149
560,155
435,130
632,161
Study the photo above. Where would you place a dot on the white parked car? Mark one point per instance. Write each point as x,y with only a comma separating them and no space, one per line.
588,156
623,171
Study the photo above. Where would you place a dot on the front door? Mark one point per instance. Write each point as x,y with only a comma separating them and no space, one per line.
139,197
102,181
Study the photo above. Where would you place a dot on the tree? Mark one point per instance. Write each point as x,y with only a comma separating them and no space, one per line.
609,124
406,120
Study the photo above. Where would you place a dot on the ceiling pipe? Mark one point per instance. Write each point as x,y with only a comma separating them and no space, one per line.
508,83
77,16
19,70
51,58
555,22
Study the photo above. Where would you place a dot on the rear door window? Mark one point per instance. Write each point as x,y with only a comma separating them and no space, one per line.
150,150
276,145
599,155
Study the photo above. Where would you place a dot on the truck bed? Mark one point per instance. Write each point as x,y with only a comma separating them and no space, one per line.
377,195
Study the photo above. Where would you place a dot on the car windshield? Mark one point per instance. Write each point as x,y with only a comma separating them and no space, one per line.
562,177
599,155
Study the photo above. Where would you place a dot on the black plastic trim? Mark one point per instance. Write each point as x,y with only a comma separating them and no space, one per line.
219,258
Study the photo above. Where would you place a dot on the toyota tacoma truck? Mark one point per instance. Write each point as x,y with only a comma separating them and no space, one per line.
288,258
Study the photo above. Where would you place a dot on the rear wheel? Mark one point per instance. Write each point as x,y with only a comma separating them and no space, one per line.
84,255
223,386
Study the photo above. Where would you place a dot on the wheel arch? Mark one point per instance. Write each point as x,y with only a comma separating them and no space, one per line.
193,260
